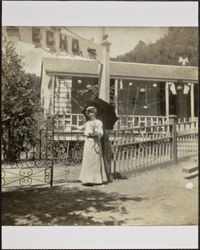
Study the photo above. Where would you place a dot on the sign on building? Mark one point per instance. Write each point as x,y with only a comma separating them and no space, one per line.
56,39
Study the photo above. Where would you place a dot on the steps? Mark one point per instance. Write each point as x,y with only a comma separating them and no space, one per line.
191,175
191,170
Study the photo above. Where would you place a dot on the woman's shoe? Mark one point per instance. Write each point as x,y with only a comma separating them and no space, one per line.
100,186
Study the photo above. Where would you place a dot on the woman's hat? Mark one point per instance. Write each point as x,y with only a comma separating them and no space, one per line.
91,108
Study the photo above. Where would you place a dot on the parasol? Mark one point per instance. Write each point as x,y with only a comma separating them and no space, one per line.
105,112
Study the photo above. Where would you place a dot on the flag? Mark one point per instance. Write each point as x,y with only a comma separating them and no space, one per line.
183,61
186,89
180,59
173,88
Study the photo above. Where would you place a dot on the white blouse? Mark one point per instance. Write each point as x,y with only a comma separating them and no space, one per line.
92,128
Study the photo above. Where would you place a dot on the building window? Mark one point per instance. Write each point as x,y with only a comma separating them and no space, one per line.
83,88
63,102
140,98
75,46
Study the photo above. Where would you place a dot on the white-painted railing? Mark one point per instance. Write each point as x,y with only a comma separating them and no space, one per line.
132,121
64,122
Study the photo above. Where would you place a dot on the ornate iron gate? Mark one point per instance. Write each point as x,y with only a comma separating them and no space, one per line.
33,163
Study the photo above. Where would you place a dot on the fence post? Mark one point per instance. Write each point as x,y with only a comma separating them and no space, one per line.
173,122
52,146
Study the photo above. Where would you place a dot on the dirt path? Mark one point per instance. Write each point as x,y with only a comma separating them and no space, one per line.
157,197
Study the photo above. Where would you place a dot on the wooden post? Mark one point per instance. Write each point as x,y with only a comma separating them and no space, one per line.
192,101
167,100
53,79
104,94
104,88
173,122
53,124
116,96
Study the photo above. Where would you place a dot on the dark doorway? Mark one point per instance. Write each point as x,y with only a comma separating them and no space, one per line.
179,104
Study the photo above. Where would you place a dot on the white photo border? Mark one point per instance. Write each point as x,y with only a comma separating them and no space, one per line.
105,13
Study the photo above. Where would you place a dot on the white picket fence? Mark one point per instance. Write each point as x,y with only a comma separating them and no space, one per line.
143,147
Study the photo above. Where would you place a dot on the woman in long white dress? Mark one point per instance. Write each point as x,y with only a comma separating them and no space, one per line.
93,168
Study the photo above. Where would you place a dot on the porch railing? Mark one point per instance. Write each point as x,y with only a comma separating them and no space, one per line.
63,122
132,121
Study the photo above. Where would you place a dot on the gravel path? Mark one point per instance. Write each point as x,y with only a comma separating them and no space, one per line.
156,197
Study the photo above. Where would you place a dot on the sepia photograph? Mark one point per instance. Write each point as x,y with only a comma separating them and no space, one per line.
99,135
100,125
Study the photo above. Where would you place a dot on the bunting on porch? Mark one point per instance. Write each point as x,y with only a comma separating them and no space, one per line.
183,61
186,89
172,88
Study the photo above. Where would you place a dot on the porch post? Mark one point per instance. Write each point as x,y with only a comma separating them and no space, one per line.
104,87
53,124
192,101
53,95
167,100
116,96
173,122
104,94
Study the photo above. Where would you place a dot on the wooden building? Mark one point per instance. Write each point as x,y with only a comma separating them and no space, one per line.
144,94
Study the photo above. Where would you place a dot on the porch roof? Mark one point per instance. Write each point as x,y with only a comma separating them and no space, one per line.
154,71
74,66
123,70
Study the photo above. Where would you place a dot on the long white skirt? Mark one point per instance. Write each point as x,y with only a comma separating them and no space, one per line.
93,168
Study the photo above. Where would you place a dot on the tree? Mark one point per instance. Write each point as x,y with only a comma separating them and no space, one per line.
20,103
178,42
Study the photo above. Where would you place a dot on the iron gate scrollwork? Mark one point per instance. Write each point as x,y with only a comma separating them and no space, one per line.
34,162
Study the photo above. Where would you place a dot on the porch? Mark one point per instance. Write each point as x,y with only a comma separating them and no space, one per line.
143,94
